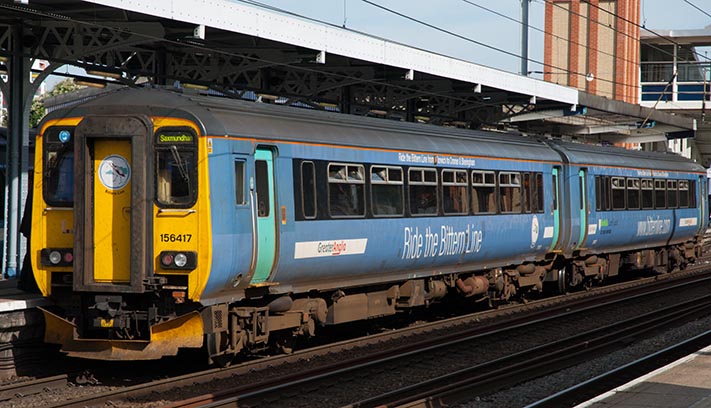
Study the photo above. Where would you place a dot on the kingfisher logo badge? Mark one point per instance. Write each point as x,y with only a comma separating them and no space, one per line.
114,172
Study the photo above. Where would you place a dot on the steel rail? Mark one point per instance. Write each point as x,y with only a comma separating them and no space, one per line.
499,374
514,318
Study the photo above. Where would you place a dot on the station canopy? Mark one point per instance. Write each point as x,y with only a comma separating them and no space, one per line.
237,50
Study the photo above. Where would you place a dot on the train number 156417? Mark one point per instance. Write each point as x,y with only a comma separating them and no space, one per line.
175,237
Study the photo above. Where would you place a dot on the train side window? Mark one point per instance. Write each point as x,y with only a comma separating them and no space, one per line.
346,189
308,189
618,193
455,199
538,193
633,193
527,193
510,192
600,193
423,191
239,182
484,192
660,194
672,194
683,193
647,194
692,193
386,186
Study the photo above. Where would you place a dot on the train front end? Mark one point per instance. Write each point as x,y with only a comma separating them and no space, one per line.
118,235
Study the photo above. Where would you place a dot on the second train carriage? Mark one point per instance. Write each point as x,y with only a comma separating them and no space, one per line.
163,220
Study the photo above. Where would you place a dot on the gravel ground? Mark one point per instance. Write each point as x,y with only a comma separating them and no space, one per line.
533,391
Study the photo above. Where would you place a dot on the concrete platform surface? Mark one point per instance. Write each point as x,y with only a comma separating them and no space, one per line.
13,299
684,383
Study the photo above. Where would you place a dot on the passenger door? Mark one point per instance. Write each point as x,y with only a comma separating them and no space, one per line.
265,209
583,194
556,209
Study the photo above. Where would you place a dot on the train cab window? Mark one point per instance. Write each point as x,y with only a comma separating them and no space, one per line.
58,157
484,192
510,192
647,194
672,194
386,185
618,193
660,194
423,191
239,182
176,168
683,193
455,199
346,190
308,190
633,193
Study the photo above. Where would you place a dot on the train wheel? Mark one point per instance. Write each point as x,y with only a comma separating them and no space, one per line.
559,286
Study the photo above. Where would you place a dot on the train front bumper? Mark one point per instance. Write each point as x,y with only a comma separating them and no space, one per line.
166,339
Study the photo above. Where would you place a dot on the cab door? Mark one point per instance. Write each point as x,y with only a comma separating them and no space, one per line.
583,193
110,204
265,209
111,215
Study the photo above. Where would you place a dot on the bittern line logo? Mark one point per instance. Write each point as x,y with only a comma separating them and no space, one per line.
114,172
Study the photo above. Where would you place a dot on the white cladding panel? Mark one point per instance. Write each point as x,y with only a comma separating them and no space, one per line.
271,25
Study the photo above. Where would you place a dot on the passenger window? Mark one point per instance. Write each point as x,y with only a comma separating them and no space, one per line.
633,193
454,192
308,190
672,194
618,193
692,193
647,194
483,192
423,191
538,194
683,193
510,192
239,182
386,186
660,194
346,189
527,192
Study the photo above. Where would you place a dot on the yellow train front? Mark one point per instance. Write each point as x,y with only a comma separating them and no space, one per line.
117,233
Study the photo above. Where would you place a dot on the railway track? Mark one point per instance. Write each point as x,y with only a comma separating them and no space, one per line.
450,337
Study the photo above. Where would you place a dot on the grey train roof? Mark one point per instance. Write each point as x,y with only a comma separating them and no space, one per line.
230,117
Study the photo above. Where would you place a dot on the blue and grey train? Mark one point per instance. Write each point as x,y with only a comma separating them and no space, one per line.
163,220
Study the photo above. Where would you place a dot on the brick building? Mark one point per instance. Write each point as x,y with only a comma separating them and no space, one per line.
593,45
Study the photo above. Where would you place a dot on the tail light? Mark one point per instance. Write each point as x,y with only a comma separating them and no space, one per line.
57,257
182,260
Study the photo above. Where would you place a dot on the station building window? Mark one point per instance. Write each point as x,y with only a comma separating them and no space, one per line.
423,191
455,199
346,189
387,186
484,192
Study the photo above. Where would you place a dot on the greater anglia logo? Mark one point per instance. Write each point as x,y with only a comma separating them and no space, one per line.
336,247
333,248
